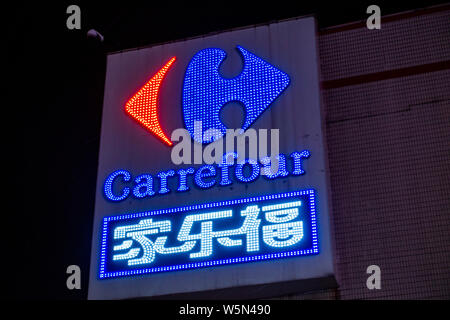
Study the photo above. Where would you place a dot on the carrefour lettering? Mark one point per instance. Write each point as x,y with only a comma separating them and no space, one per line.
120,185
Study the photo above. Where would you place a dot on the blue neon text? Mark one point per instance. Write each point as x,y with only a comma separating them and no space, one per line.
119,185
211,234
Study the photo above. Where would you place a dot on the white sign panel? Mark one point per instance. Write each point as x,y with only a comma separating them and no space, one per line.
177,209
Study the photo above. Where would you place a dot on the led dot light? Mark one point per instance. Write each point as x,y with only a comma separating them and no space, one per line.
271,227
207,171
298,156
144,186
143,105
205,91
239,171
204,177
108,185
267,169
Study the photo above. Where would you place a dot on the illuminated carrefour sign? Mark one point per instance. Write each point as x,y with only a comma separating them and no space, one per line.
211,234
120,185
164,225
205,91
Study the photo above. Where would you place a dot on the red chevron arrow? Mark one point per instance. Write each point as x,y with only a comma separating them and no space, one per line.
143,105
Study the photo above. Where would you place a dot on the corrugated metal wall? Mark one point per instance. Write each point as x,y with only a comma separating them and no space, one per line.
387,99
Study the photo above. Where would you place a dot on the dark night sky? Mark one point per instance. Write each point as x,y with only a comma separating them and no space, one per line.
55,93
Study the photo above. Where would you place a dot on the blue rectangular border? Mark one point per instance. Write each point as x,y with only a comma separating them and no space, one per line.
313,250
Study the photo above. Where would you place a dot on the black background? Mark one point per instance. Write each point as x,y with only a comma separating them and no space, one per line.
52,114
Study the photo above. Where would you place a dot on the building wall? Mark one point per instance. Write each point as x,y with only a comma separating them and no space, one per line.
386,97
386,94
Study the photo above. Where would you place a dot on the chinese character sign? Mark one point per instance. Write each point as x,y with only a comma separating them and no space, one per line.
210,234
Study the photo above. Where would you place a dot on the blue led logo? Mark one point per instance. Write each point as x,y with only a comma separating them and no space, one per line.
211,234
205,91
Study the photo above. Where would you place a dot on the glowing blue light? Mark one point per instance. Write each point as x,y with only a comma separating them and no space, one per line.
138,233
206,235
267,169
163,180
227,161
239,170
160,246
203,176
205,91
140,240
282,206
298,156
108,186
283,215
182,173
206,171
144,181
289,233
